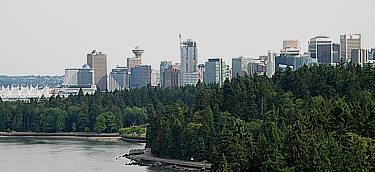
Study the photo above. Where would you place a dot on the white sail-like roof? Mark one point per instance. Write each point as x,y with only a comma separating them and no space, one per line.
23,92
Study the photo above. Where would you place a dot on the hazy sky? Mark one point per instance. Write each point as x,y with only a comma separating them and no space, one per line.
44,36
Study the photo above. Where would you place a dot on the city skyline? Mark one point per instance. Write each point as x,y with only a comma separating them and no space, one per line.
44,38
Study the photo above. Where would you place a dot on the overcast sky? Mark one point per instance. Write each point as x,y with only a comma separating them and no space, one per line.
45,37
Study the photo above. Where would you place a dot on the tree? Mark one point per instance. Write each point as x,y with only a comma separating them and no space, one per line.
100,124
87,129
223,165
83,121
74,127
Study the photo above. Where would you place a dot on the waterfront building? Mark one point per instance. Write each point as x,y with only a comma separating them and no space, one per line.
24,93
349,42
98,62
118,79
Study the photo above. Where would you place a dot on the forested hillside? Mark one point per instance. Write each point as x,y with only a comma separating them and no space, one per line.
314,119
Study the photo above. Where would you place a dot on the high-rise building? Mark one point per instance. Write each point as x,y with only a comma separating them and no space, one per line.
140,76
360,56
201,70
336,50
349,42
164,65
171,76
216,71
291,44
189,59
257,67
320,48
118,79
137,59
226,73
238,66
98,62
79,77
189,56
301,60
372,54
293,61
155,77
271,63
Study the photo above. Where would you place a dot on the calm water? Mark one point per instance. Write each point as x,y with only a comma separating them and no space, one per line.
47,155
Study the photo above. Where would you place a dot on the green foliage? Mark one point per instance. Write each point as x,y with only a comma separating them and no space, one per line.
74,127
87,129
133,131
320,118
100,124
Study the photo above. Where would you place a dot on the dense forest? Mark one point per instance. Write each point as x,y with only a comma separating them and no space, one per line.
320,118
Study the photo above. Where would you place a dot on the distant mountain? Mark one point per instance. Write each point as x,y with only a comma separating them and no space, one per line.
51,81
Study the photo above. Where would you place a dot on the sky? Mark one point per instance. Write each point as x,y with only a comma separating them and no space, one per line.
43,37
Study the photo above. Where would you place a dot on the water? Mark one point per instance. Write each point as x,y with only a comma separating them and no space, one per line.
46,155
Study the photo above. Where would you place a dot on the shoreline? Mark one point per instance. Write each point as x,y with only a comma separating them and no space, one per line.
143,157
112,137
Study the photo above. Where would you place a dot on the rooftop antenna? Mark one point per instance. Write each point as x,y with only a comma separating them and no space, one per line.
179,35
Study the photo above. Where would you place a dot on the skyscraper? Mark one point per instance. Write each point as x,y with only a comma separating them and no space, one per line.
189,59
271,63
155,77
137,59
294,44
372,54
201,70
320,48
336,53
360,56
98,62
239,66
171,76
140,76
164,65
349,42
216,71
118,79
189,56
